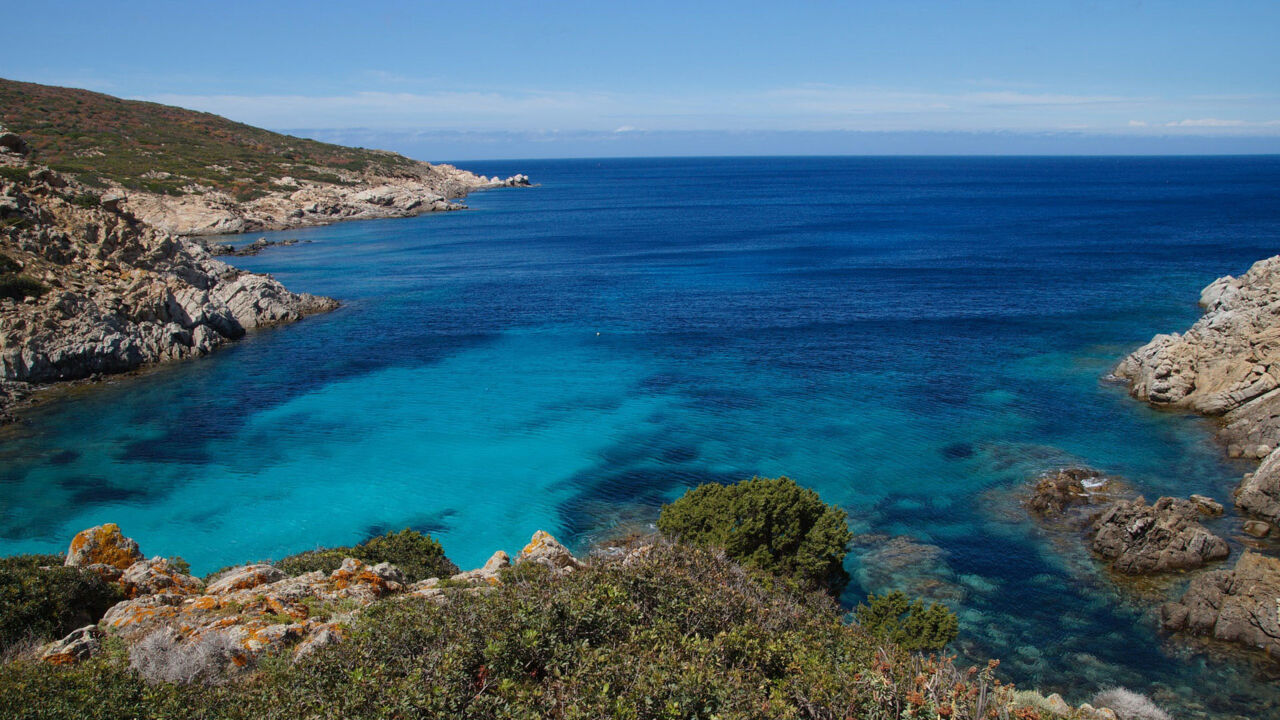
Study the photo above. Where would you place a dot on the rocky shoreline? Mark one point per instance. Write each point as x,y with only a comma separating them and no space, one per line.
299,203
94,283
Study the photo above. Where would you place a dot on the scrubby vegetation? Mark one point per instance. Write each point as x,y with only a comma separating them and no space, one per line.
770,524
418,556
42,600
164,149
671,632
910,625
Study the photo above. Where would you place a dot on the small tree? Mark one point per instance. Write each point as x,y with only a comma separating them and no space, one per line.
908,624
771,524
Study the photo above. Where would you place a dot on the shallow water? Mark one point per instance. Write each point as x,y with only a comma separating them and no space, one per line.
913,338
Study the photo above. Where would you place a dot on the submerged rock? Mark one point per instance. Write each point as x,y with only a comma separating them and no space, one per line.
1138,538
1241,605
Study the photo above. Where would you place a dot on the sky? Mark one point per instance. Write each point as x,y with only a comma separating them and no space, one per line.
571,79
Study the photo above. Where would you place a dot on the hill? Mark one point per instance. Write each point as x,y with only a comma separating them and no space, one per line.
191,172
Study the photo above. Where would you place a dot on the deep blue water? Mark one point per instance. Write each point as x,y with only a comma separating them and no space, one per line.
912,337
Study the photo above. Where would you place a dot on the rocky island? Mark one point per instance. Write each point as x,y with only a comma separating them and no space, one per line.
98,194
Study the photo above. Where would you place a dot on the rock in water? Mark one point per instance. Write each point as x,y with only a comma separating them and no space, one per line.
1239,605
1138,538
1055,492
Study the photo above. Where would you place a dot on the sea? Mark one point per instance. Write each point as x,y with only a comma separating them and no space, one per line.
916,339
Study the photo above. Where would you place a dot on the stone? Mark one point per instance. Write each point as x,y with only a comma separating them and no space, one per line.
1241,605
1056,705
1256,528
103,545
157,575
1058,491
545,550
77,646
1138,538
489,572
1207,505
245,577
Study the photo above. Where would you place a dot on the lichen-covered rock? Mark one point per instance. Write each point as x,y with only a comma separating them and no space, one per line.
1240,605
545,550
489,573
245,577
103,545
1138,538
78,645
157,575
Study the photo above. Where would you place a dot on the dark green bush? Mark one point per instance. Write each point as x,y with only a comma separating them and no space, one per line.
772,525
42,600
910,625
418,556
8,264
15,174
18,287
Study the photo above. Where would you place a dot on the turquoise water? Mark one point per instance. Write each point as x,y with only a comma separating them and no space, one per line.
913,338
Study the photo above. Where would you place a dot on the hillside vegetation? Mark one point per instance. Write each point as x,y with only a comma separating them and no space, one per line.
103,141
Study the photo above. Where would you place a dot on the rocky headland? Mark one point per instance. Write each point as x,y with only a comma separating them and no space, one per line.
1227,366
293,203
86,288
99,195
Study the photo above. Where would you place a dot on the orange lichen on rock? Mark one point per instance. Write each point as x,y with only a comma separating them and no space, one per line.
103,545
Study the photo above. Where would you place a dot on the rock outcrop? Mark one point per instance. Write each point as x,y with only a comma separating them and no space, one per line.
251,610
1137,538
1075,487
351,196
1241,605
1227,365
89,289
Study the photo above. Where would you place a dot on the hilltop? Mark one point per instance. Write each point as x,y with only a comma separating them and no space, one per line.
191,172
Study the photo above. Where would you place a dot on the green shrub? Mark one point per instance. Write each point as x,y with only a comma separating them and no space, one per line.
772,525
15,174
674,632
85,200
42,600
418,556
8,264
19,287
910,625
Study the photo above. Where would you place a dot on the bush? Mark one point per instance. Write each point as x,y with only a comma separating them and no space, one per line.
18,287
773,525
8,264
672,632
909,625
163,657
418,556
1129,705
42,600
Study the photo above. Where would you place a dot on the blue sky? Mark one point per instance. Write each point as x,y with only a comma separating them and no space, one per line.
510,79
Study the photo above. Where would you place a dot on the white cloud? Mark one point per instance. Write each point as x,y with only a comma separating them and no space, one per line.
800,107
1218,123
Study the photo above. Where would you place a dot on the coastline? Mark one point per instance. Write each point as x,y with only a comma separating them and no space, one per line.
104,283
